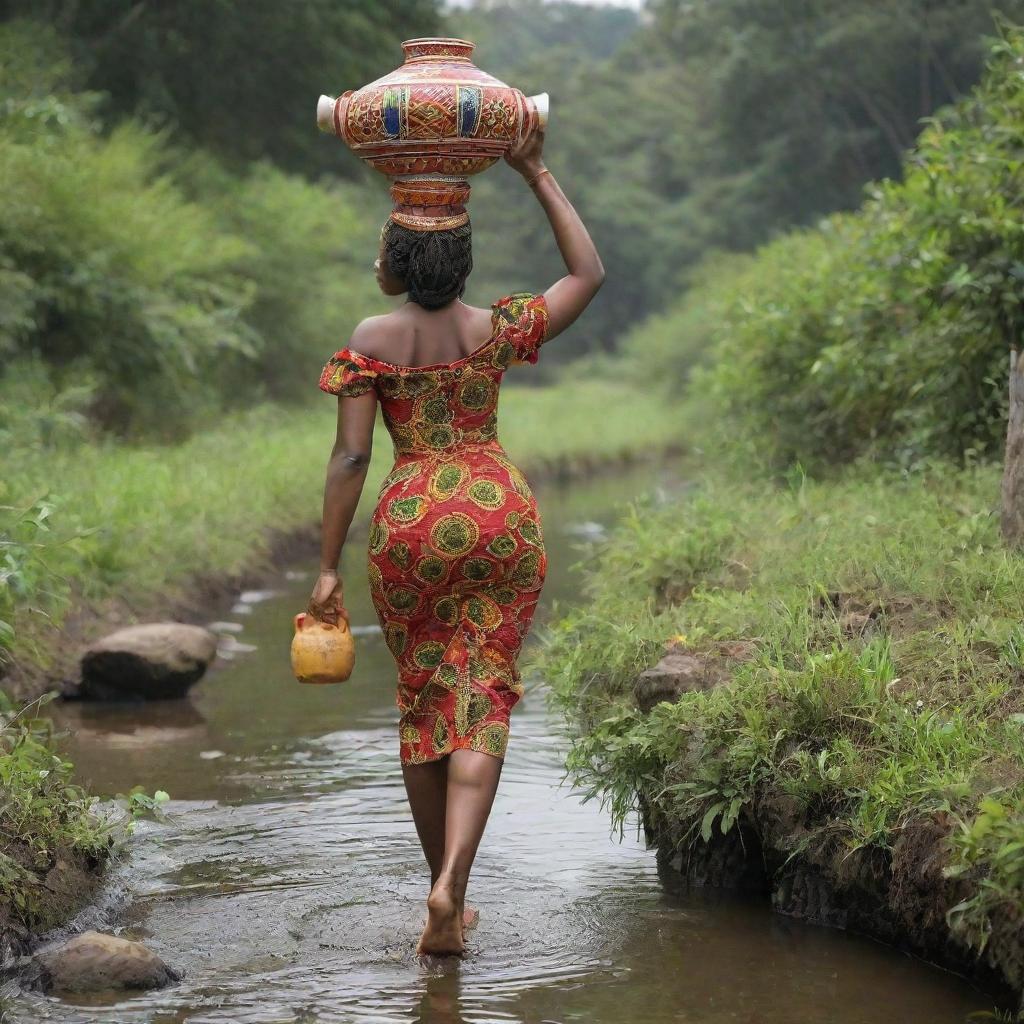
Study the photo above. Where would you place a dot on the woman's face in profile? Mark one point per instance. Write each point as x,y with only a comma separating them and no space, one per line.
386,281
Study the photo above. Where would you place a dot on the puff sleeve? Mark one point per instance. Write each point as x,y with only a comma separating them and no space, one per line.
347,373
525,317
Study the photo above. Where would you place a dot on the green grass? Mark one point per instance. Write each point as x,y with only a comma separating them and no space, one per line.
84,522
43,818
882,619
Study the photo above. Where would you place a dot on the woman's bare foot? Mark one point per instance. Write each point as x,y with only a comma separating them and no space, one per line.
443,933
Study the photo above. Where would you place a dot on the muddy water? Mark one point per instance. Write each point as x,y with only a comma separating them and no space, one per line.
288,885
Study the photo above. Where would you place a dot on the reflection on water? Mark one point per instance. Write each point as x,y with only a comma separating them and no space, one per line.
288,884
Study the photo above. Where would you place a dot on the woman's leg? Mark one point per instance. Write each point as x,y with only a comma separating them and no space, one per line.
472,782
426,785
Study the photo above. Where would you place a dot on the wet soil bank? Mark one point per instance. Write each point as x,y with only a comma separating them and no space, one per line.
66,882
899,897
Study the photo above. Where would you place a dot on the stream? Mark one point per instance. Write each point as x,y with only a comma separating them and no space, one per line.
287,884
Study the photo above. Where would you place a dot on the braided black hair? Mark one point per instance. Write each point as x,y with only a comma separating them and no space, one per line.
433,265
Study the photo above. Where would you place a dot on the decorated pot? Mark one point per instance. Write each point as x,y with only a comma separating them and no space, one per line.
430,125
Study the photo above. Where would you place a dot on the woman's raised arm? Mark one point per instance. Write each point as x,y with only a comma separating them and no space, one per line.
569,295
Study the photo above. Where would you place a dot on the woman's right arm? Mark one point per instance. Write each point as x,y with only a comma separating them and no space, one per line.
569,295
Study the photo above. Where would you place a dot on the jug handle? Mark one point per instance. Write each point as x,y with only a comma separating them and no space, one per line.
300,623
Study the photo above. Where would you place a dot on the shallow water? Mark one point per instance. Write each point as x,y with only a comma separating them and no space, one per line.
287,882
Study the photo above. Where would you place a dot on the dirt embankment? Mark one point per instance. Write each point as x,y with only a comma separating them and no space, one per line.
66,881
900,896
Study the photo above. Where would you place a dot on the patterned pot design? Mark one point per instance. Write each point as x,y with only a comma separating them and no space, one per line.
432,123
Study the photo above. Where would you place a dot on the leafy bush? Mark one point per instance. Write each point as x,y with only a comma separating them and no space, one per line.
29,584
120,278
887,331
309,265
170,287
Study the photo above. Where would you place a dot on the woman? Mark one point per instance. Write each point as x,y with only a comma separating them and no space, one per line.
456,559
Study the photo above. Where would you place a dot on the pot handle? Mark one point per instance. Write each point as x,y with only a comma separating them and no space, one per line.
538,107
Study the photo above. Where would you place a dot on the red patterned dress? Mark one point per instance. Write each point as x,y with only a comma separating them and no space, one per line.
456,552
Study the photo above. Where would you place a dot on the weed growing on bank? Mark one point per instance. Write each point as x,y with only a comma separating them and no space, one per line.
880,685
44,819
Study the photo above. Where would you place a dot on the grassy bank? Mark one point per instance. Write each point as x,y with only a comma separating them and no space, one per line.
52,846
91,523
871,731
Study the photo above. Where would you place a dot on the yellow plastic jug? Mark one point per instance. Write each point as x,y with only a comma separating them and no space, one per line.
322,653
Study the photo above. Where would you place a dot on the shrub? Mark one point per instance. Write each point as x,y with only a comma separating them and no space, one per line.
885,331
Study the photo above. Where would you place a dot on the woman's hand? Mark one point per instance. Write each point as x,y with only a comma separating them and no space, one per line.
526,157
326,603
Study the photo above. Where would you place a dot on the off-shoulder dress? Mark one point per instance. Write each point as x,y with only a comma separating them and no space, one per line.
456,556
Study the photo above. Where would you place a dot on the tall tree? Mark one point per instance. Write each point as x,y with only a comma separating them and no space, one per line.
238,77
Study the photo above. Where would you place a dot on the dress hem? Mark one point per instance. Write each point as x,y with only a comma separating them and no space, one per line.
441,757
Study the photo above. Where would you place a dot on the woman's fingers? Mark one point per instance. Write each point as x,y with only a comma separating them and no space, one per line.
327,602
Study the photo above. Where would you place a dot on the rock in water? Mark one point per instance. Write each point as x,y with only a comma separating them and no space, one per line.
94,962
151,662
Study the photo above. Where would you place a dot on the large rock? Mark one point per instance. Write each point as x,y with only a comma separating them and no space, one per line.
681,671
94,962
150,662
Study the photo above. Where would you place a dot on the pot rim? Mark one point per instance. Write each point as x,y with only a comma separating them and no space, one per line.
438,39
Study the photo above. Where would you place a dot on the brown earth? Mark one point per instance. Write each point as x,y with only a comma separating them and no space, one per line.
65,883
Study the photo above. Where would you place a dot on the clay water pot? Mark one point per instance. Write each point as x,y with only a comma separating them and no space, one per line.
322,653
430,125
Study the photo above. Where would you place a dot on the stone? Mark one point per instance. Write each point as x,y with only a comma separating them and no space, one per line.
95,962
676,673
682,671
156,661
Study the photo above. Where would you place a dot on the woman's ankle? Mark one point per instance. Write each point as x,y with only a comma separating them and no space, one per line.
451,887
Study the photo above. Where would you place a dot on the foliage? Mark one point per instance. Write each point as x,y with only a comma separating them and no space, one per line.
884,332
29,586
160,289
880,686
214,278
706,126
798,104
994,837
308,264
140,804
683,338
42,813
229,76
123,281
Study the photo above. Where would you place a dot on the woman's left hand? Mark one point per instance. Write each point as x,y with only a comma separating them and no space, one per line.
326,603
525,157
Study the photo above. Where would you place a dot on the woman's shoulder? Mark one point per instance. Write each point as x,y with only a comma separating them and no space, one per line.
513,306
522,318
374,336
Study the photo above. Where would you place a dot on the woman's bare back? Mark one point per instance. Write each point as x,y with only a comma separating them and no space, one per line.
413,336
